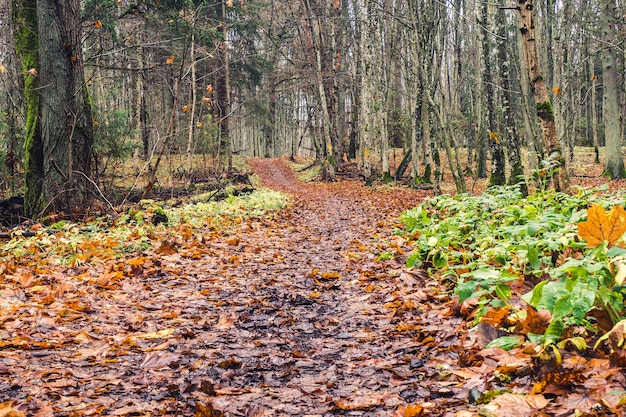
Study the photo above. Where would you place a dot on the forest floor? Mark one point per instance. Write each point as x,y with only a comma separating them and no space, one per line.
309,312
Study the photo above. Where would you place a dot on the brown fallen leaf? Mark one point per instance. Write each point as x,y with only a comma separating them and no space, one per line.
515,405
206,411
362,402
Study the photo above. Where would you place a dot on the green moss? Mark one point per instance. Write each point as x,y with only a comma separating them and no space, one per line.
544,110
27,47
386,178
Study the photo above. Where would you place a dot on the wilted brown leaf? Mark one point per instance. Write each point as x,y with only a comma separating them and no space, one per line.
515,405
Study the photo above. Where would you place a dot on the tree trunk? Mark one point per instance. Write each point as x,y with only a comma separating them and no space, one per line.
614,164
59,131
11,91
555,162
512,140
498,175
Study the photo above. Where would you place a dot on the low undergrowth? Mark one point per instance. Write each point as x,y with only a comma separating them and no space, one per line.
525,265
147,226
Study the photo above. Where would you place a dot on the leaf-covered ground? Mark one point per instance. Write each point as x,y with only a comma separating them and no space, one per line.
309,312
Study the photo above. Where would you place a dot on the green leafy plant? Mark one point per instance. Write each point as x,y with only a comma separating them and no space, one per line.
487,242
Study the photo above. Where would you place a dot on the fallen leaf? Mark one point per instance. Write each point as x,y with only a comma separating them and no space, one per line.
601,226
515,405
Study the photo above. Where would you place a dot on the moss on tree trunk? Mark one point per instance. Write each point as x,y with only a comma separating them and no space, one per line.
27,47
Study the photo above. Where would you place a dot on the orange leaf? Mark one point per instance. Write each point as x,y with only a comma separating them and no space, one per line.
170,60
98,24
602,226
185,109
413,410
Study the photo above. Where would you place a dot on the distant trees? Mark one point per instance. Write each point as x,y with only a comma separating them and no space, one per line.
438,85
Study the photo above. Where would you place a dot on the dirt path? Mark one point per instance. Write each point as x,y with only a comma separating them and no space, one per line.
293,315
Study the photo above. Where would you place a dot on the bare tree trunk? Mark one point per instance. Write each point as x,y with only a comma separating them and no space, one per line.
498,175
614,165
192,112
512,138
11,91
556,161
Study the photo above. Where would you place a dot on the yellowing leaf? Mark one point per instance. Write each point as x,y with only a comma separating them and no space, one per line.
156,335
494,136
7,410
602,226
331,275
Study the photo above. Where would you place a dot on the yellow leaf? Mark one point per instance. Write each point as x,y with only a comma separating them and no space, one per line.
7,410
557,90
601,226
98,24
331,275
170,60
3,69
494,136
156,335
229,3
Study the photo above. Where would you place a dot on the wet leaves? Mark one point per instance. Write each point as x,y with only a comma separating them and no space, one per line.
298,314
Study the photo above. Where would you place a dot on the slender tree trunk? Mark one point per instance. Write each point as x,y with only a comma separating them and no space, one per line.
498,175
556,161
614,165
12,99
192,116
512,138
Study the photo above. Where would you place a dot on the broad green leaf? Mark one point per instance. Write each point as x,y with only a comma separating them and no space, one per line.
505,342
503,291
465,290
533,258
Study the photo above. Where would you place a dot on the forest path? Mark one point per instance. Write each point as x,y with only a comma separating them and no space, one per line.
295,314
315,323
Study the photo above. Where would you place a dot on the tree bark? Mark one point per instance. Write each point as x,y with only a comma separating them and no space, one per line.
555,162
512,139
59,128
498,175
614,164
